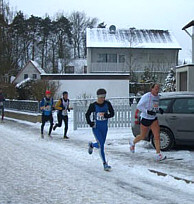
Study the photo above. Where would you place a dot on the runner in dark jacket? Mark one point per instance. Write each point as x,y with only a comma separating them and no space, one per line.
100,110
63,108
2,99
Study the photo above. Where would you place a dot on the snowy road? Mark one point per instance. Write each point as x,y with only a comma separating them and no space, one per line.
57,171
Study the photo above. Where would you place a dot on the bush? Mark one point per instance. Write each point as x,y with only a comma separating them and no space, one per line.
35,90
9,90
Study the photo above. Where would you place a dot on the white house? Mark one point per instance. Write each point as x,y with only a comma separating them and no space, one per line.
31,70
125,50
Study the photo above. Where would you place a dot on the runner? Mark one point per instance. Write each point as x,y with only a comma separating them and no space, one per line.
62,106
46,106
2,99
149,106
101,110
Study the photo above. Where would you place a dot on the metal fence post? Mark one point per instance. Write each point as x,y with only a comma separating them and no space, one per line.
75,116
133,109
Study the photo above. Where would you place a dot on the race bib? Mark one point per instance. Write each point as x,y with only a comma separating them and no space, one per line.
64,112
100,116
155,106
48,108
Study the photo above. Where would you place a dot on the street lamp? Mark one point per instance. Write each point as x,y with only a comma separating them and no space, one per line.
191,24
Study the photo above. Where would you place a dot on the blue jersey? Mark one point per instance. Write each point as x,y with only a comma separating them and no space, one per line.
48,103
100,113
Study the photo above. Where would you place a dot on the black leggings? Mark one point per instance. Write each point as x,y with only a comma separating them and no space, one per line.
61,118
2,112
46,118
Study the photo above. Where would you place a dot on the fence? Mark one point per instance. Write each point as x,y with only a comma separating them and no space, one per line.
22,105
121,107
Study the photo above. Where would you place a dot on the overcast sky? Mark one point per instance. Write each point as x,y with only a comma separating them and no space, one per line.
148,14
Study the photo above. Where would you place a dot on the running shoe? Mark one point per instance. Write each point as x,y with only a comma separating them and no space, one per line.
90,148
106,167
160,157
132,147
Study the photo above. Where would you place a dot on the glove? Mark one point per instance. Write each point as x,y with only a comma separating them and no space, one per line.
161,110
106,115
92,124
151,112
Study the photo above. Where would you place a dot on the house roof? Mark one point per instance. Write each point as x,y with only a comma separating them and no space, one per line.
36,66
131,38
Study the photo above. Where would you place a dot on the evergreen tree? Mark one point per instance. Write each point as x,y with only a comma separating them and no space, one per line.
148,76
170,82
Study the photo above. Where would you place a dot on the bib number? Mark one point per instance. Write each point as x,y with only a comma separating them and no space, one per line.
48,108
100,116
64,112
155,106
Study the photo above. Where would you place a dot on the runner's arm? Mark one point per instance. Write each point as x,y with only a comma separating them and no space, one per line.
111,111
42,106
142,104
90,110
58,104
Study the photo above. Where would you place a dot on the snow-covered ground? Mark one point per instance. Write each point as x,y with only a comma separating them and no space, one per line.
57,171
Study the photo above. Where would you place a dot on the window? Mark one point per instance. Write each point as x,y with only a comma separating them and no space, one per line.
69,69
164,103
183,105
112,58
102,58
34,76
107,58
25,76
121,58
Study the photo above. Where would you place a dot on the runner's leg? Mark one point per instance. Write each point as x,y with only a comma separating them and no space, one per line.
66,125
43,123
143,133
156,132
100,143
51,124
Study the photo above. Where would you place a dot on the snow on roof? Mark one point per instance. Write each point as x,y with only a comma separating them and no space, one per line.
39,68
131,38
19,85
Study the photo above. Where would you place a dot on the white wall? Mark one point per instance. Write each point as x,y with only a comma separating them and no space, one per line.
77,88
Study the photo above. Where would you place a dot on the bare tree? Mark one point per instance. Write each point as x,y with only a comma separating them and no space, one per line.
80,22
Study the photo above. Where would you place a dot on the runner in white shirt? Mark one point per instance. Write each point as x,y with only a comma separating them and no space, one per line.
149,106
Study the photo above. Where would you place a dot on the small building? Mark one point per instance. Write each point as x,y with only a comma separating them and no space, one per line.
131,50
83,86
77,66
184,77
31,70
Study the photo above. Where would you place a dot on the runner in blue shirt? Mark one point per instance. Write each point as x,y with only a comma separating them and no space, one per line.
100,110
46,106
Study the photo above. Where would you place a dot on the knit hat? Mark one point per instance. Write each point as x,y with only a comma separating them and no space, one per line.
101,93
47,92
65,92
